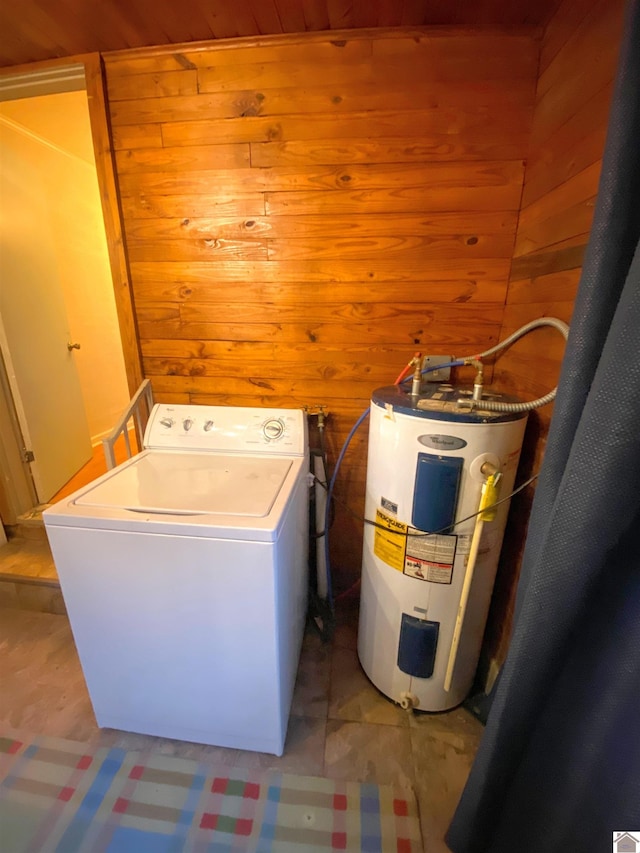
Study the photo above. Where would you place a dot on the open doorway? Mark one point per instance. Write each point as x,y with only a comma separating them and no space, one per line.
56,278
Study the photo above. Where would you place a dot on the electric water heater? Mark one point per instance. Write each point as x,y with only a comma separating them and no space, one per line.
430,559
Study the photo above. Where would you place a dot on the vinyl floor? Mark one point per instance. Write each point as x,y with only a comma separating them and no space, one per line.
341,727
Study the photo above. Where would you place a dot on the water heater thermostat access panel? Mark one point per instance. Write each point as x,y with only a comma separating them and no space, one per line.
226,428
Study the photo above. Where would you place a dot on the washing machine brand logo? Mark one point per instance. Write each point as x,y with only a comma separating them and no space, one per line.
442,442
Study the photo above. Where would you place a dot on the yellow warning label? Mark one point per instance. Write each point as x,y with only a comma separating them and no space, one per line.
389,544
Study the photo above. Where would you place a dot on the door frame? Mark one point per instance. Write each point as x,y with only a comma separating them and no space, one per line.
17,489
63,75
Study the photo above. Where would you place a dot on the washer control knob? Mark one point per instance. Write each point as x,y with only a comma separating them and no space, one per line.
208,426
187,423
167,422
273,429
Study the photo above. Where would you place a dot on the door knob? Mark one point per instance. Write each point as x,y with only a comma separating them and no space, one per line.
72,346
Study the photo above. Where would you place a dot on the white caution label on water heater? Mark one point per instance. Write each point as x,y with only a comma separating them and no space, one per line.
430,557
424,556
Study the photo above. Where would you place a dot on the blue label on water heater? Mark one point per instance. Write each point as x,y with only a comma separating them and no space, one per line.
436,488
417,646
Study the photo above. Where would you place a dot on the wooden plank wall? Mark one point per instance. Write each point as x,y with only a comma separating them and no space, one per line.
577,64
304,213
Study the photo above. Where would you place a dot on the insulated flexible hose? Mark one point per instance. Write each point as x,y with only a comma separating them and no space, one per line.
496,406
560,325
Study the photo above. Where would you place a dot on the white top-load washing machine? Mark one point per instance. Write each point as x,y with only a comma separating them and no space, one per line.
184,574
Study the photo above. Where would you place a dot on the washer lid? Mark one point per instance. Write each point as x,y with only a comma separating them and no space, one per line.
192,484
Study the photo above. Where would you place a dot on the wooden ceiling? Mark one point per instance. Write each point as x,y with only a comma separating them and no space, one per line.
33,30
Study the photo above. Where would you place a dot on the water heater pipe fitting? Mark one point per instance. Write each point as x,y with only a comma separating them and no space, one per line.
416,384
478,382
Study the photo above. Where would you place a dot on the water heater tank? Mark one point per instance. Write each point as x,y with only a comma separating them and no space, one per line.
425,473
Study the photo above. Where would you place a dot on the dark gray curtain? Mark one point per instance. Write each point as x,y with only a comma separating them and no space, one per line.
558,769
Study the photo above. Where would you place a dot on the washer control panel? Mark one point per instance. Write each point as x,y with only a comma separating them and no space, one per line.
274,429
227,428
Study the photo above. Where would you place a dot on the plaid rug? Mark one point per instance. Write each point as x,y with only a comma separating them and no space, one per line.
59,795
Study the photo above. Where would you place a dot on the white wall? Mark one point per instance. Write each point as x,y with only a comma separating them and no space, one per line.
57,144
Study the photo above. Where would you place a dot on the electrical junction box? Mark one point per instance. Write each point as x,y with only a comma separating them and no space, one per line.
437,375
